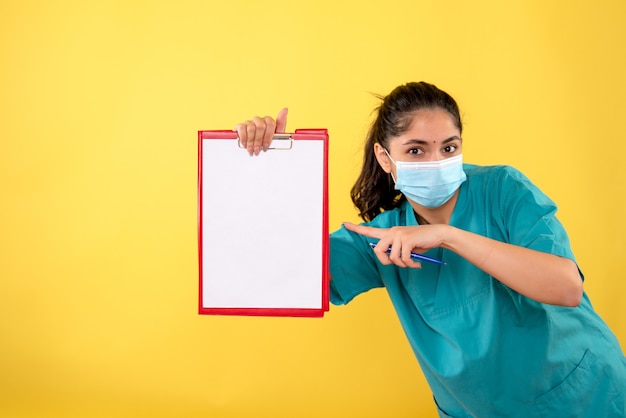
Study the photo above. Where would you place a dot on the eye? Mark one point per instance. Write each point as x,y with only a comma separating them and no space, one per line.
415,151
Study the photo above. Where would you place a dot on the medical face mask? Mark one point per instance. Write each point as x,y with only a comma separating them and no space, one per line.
429,183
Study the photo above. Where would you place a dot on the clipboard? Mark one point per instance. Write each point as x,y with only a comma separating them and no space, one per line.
263,239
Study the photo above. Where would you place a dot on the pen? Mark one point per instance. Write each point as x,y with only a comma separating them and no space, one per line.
415,255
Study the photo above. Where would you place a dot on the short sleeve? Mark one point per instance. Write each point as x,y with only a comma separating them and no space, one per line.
529,216
353,267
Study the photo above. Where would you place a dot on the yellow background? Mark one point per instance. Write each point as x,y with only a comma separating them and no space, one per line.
99,107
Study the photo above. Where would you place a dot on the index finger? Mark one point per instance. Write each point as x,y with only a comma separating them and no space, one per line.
269,133
368,231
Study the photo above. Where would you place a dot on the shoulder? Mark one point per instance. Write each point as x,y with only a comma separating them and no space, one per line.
503,183
493,171
393,217
499,176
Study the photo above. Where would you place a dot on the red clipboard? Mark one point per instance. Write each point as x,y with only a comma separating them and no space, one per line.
263,225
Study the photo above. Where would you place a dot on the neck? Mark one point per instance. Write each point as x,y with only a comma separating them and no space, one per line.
440,215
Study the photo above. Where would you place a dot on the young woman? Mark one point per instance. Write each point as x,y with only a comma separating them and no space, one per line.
504,328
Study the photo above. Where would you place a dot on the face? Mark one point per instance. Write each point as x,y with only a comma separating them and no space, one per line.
432,136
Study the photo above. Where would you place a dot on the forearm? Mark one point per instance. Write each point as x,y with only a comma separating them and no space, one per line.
544,277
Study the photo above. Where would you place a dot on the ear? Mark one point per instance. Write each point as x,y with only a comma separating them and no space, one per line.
382,158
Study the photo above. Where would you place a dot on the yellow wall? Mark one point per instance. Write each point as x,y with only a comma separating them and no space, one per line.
99,107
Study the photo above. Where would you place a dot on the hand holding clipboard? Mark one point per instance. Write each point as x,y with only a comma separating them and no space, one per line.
256,134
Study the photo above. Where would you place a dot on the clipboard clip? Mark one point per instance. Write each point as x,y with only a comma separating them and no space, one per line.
285,140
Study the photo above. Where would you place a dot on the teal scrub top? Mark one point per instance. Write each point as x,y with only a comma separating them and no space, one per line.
486,350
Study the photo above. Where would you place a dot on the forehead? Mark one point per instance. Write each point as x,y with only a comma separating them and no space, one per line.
432,120
428,126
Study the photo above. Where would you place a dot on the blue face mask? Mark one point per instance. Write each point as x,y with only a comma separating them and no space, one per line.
429,183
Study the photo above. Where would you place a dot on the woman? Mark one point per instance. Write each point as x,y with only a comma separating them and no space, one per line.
503,328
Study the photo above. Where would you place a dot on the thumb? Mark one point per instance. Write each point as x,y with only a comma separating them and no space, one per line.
281,121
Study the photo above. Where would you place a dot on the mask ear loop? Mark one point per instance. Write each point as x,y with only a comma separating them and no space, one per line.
392,160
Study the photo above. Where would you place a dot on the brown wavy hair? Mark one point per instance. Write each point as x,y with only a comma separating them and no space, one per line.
374,191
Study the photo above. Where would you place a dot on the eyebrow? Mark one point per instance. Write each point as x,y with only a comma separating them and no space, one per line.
424,142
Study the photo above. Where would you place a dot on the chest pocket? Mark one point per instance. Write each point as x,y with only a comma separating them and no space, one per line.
443,290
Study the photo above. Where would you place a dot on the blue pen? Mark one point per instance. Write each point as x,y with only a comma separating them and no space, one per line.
415,255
